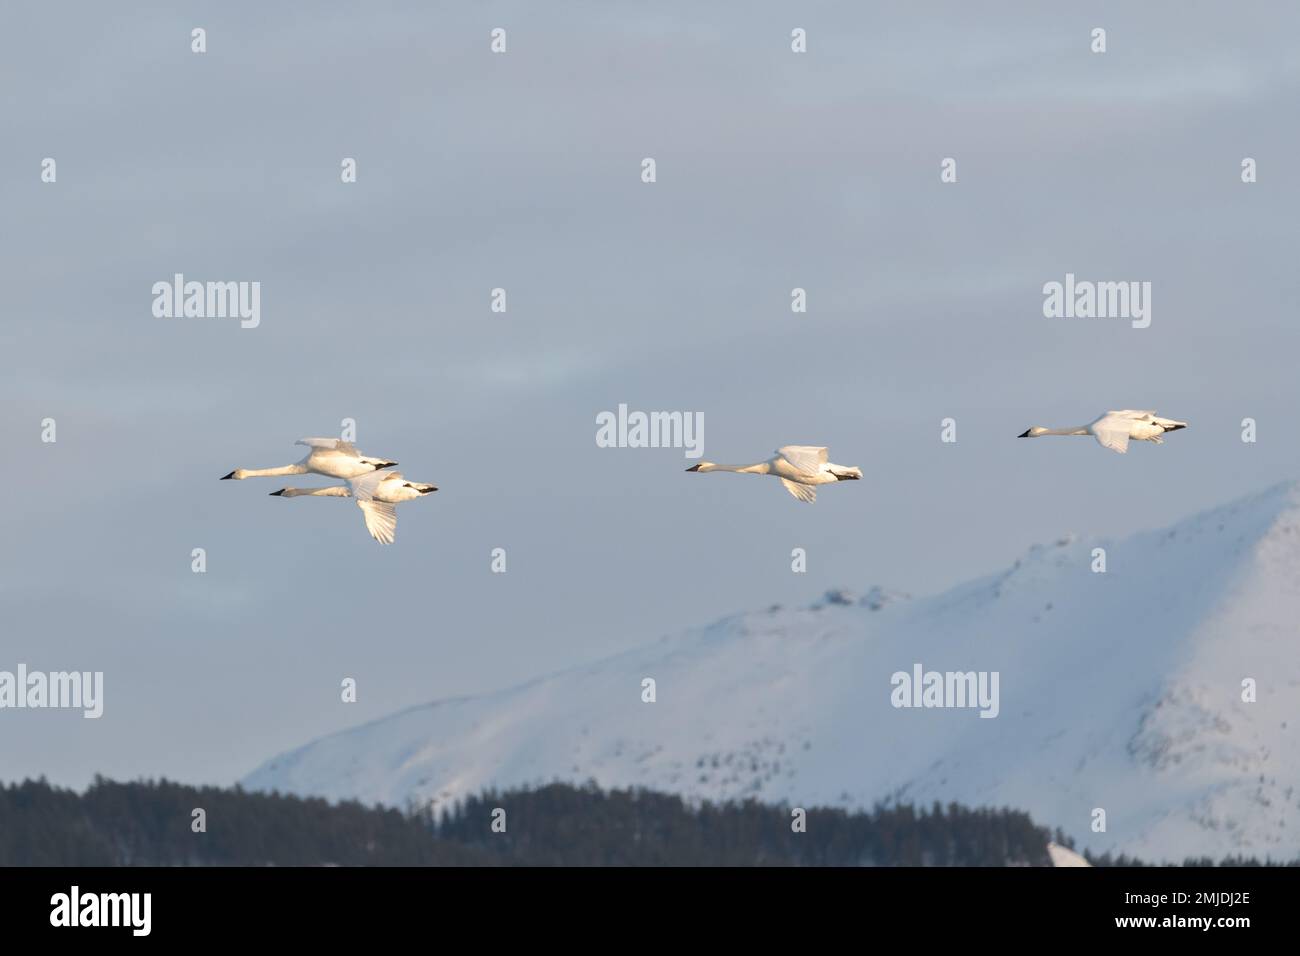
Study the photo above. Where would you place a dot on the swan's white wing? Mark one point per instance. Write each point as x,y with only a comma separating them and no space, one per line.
806,458
330,444
803,492
1112,433
1129,413
363,488
381,519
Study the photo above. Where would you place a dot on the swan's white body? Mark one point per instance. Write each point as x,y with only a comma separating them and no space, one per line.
1114,429
328,456
376,494
800,467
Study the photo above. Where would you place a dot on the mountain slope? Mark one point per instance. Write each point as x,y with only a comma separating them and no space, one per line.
1119,690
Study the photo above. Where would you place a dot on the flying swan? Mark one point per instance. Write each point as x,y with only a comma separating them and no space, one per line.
800,468
377,494
1114,429
328,456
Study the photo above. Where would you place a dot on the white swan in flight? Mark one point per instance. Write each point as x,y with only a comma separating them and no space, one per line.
800,467
377,494
328,456
1114,429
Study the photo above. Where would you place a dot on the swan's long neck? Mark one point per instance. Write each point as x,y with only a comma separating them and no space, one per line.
333,491
298,469
1077,430
761,468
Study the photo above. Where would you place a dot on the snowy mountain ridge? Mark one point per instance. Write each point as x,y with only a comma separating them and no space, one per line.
1120,692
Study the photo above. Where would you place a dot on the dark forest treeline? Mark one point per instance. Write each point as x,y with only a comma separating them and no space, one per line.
149,824
581,826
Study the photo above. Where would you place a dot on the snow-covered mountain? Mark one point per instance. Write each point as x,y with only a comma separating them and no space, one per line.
1120,690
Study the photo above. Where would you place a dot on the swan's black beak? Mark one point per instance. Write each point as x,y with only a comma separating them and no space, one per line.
693,468
1174,428
231,475
385,464
1025,435
280,492
429,490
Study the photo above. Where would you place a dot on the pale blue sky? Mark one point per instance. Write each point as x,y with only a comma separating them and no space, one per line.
522,171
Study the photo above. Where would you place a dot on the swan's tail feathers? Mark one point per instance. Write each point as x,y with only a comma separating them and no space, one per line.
381,520
803,492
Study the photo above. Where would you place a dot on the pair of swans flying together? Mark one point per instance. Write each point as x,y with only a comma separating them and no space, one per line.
376,492
802,468
1115,429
